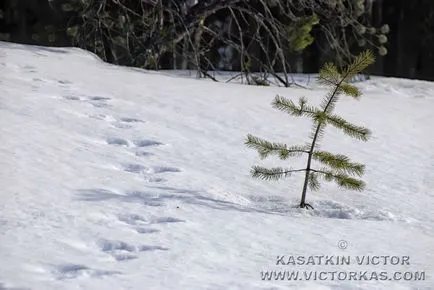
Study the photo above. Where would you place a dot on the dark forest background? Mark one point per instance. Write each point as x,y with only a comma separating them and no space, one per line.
272,37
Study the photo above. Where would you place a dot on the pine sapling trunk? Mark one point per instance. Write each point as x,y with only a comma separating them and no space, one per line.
321,122
303,203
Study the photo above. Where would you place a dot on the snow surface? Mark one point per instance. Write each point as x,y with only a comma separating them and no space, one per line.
119,178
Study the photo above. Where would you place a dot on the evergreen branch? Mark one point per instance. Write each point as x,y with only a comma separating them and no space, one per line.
326,82
361,62
350,90
266,148
342,179
339,162
292,151
275,173
313,181
291,108
358,132
329,74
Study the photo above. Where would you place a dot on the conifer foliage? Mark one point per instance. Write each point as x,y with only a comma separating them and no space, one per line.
331,167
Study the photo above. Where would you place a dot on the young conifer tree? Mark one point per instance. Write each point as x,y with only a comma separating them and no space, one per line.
334,167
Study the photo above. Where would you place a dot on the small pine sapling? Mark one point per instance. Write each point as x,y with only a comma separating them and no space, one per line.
335,167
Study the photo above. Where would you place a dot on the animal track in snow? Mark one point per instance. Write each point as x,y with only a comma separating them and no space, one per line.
132,219
146,143
74,271
134,168
146,248
96,101
123,123
99,102
138,222
146,172
97,98
146,230
137,143
162,169
138,168
165,220
141,224
131,120
72,98
135,219
143,153
123,251
118,141
154,179
64,82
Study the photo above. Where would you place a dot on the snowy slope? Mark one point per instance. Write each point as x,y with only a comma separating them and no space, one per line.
117,178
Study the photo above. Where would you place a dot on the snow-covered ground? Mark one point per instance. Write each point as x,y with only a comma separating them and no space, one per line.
117,178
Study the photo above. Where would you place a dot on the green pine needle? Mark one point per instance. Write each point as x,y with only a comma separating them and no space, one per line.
351,130
329,74
314,184
275,173
266,148
361,62
350,90
339,162
288,106
342,179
